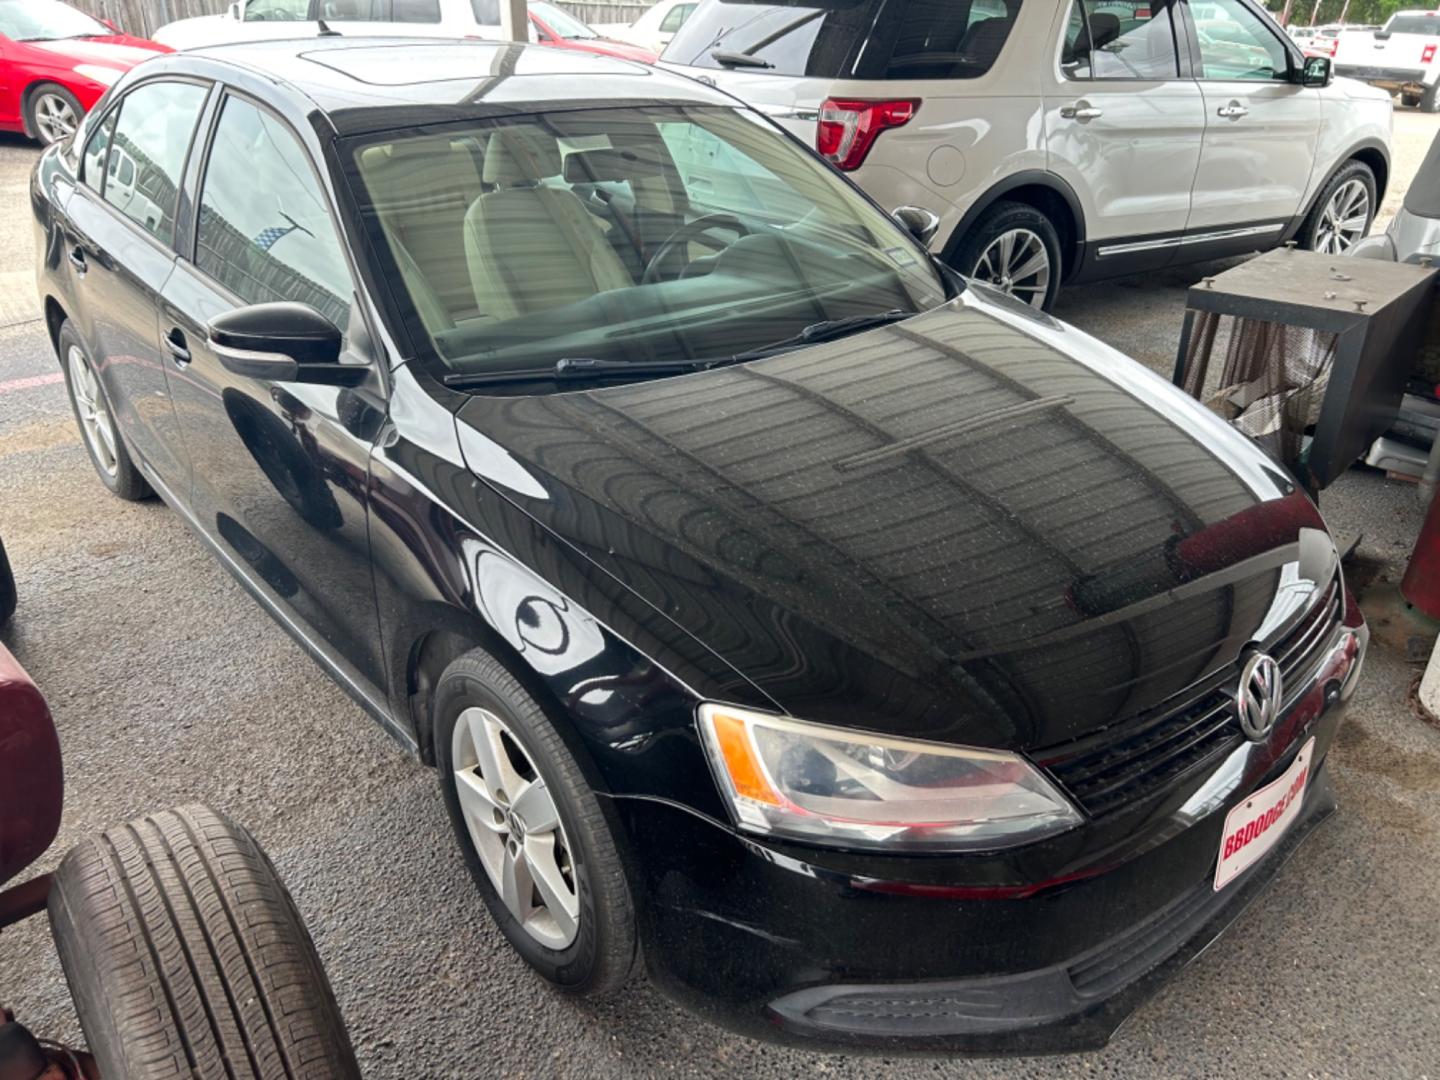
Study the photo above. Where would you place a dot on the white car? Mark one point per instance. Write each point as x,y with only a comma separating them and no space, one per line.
1403,57
653,29
256,20
1063,139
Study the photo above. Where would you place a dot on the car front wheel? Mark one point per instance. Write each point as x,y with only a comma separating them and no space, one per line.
53,112
1015,248
534,835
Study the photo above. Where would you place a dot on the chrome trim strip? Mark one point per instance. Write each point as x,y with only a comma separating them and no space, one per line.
1181,241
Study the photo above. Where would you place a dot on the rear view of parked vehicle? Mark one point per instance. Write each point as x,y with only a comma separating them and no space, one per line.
1399,57
1063,140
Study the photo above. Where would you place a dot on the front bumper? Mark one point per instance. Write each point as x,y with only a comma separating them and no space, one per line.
1047,950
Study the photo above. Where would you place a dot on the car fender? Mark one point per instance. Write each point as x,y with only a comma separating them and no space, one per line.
1014,182
1369,143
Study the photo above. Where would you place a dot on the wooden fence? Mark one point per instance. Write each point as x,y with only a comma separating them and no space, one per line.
144,17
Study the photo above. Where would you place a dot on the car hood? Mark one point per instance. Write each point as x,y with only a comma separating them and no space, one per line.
120,51
976,526
1355,90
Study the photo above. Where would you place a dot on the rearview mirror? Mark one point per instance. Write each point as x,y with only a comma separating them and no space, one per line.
1315,71
282,342
917,221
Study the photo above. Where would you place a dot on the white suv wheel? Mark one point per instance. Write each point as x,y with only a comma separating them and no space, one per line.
1016,262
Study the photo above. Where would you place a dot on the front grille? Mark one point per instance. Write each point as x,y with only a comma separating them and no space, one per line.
1133,761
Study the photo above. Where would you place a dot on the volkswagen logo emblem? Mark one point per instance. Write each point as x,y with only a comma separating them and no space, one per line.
1260,694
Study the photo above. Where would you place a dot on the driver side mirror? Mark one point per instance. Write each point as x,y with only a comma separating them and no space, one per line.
1315,71
235,11
917,221
283,342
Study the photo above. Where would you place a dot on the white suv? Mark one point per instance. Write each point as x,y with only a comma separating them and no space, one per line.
1063,139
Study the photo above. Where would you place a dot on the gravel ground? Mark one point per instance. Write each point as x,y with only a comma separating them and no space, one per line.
170,685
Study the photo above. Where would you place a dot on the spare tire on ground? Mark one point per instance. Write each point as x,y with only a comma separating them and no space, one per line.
186,956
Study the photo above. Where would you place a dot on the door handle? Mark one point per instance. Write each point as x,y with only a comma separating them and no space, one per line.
1233,111
77,260
1080,110
175,343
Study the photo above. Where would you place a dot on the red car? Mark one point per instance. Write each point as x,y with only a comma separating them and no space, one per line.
561,30
55,62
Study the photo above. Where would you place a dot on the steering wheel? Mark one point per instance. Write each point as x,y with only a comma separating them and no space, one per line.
692,232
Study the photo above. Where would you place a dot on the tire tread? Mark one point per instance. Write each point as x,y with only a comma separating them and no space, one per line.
187,957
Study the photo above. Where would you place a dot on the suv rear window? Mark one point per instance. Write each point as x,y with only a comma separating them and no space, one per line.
860,39
1426,25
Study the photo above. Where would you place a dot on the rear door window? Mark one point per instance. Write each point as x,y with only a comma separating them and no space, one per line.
1120,39
152,136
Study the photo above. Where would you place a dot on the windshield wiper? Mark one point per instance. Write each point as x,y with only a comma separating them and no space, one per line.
591,368
725,58
828,330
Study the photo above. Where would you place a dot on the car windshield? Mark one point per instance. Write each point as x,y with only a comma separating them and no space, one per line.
659,233
46,20
563,23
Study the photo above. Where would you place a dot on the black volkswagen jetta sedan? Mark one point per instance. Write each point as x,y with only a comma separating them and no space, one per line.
882,661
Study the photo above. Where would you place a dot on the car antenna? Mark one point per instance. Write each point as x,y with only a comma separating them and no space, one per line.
325,31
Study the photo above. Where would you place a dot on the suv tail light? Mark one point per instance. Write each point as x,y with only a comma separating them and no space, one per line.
848,128
1428,54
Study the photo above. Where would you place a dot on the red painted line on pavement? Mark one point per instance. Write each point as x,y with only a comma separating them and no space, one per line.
31,382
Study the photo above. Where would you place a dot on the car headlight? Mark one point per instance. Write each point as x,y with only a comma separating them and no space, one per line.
853,789
105,76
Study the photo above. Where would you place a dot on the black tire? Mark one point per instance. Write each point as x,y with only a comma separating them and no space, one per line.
1006,216
33,103
186,957
1430,99
1409,99
126,481
1351,170
602,954
8,595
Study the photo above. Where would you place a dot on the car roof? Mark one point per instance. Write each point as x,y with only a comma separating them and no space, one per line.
375,83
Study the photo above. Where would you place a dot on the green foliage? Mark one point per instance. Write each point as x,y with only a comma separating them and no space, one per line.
1360,11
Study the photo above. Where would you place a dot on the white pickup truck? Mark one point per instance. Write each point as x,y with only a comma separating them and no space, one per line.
1402,56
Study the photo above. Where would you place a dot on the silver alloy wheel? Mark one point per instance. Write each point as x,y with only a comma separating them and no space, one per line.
1017,263
95,421
55,118
1343,221
515,827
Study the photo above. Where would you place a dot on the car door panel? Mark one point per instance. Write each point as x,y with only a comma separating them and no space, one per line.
1122,126
279,469
119,256
119,276
1261,131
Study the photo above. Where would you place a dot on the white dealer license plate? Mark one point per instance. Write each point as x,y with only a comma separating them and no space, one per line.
1257,824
